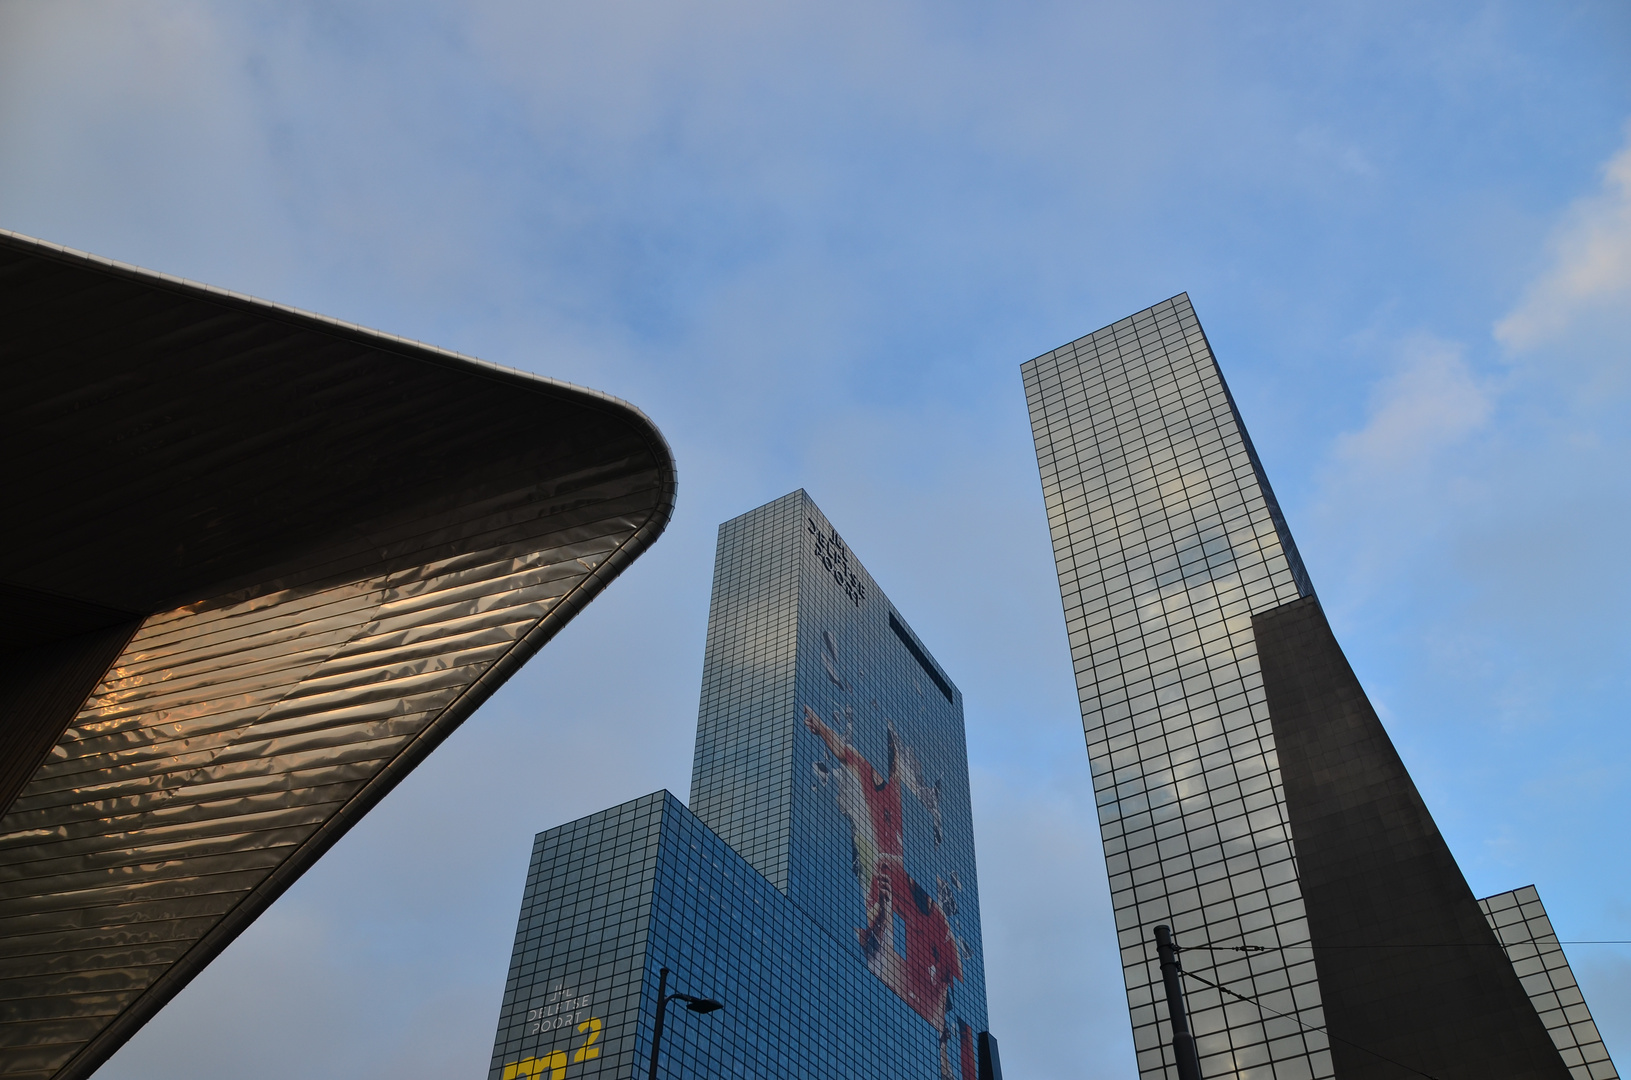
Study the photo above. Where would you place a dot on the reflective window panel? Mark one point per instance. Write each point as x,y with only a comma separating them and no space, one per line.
615,897
824,889
1167,539
1520,921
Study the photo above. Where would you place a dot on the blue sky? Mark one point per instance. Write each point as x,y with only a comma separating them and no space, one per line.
814,242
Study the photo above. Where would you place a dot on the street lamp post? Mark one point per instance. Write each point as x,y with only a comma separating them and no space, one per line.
695,1004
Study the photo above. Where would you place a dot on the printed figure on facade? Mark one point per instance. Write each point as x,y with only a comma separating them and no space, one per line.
898,908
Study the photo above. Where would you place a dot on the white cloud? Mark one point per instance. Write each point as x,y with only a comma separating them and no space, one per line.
1465,469
1395,488
1432,401
1468,541
125,133
1591,268
813,241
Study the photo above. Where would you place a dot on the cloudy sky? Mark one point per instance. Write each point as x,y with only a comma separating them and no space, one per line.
814,241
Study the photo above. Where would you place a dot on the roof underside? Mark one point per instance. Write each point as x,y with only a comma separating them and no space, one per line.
260,564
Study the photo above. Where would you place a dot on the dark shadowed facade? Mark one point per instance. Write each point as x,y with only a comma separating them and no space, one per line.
257,565
822,885
1248,795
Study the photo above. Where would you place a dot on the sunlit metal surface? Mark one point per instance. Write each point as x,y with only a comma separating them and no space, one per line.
239,734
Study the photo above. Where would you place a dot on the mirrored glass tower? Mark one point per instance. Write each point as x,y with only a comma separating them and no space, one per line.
1248,796
821,884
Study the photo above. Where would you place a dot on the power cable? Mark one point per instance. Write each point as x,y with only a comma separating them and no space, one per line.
1307,1027
1424,945
1311,948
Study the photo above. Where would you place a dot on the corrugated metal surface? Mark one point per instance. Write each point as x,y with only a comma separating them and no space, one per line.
40,691
238,736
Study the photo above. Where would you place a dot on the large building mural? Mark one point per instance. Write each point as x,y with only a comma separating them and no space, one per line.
822,882
874,837
882,734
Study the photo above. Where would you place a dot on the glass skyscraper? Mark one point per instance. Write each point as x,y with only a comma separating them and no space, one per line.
1248,796
822,883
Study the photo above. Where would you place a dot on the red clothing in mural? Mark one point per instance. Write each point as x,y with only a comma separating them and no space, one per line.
924,973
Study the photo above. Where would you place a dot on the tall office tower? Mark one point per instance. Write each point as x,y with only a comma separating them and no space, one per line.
821,886
1248,795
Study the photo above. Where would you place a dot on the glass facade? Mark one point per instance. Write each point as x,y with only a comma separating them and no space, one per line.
1519,920
1249,796
1167,539
613,898
825,887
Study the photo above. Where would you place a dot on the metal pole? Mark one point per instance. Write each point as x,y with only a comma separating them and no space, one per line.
662,1007
1183,1043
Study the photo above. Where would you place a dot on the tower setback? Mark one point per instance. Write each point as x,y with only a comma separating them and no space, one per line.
822,884
1248,795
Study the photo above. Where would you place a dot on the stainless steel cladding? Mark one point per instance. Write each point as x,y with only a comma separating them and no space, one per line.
325,548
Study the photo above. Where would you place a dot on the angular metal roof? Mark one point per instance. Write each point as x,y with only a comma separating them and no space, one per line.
258,564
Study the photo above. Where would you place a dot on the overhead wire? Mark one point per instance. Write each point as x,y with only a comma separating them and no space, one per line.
1209,947
1423,945
1308,1027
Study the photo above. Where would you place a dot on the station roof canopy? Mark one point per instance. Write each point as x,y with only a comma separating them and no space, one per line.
259,564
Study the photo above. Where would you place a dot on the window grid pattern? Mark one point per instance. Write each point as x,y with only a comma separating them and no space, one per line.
856,673
799,629
741,776
613,898
580,948
1519,920
1166,543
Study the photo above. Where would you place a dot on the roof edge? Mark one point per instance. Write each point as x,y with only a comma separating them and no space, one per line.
102,1046
313,320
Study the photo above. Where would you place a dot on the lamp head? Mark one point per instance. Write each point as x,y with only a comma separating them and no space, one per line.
703,1005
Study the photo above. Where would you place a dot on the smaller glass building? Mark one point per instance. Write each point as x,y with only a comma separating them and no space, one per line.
824,889
1520,922
614,897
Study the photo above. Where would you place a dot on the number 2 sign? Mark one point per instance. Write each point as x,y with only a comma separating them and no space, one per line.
552,1066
